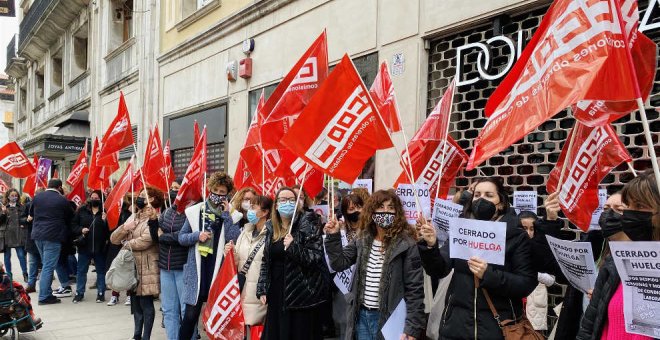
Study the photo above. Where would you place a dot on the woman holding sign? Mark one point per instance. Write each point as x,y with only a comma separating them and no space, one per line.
467,314
603,318
387,269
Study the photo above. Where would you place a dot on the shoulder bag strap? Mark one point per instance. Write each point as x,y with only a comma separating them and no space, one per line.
253,254
489,301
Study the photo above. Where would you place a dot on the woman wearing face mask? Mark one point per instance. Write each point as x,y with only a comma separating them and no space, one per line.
135,234
202,233
294,277
242,202
351,207
387,269
640,221
467,315
249,252
91,235
15,234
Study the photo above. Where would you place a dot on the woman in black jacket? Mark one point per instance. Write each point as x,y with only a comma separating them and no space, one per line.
14,235
388,269
467,315
91,235
294,277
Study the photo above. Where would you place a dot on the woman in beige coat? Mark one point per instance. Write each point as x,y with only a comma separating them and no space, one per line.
136,234
251,242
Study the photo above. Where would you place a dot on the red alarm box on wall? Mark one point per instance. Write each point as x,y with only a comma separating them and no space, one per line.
245,68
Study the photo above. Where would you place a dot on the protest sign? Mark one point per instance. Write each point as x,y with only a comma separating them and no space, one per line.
393,327
484,239
407,194
366,183
525,201
443,212
576,260
638,265
343,279
602,198
321,210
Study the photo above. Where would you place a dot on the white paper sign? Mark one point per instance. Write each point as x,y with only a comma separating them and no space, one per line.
484,239
407,194
525,201
576,260
638,264
343,279
393,327
602,198
366,183
322,210
443,212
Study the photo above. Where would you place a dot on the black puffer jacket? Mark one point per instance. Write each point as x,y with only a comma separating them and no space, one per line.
307,275
30,246
171,254
507,285
542,258
595,315
96,240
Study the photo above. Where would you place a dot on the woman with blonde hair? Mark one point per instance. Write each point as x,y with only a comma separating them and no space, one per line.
294,277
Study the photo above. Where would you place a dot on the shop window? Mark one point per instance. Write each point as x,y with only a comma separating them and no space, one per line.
79,59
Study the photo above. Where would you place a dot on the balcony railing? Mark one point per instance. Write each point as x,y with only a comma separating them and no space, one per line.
28,23
11,49
122,63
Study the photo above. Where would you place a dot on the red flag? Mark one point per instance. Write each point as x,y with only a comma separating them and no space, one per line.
30,185
256,331
154,166
250,156
243,177
137,185
223,315
99,176
594,153
115,199
79,170
3,186
195,134
56,174
576,54
435,125
310,178
426,157
14,161
118,136
294,93
382,92
169,170
339,129
78,195
191,190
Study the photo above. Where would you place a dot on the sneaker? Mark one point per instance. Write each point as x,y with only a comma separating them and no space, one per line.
50,301
78,298
100,298
128,301
30,289
63,292
113,301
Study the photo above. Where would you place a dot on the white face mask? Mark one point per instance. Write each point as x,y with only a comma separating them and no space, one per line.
246,205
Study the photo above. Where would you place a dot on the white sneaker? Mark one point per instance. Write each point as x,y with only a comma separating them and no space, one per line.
128,301
113,301
63,292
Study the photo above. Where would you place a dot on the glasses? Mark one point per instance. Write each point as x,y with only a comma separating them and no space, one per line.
284,200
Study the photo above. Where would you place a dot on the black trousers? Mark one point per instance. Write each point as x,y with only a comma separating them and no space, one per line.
144,314
190,319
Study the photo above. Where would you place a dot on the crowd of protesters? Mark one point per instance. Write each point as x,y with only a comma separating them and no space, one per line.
286,255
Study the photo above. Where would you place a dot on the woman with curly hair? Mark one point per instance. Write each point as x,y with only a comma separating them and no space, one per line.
388,268
241,203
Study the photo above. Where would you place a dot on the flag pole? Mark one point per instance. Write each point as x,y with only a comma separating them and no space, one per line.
638,94
380,117
332,197
263,171
568,157
144,183
632,169
295,208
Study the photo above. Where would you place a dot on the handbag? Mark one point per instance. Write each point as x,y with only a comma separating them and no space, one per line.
246,266
122,275
520,329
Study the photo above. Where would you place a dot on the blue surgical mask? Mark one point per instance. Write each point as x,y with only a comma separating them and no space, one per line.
286,209
252,216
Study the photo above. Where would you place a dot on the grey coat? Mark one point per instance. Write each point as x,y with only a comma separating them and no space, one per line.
12,234
402,278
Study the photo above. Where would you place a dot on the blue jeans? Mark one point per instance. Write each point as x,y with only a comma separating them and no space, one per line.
171,288
367,325
33,265
20,252
50,253
83,267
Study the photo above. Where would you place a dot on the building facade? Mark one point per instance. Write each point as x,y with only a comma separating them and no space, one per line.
69,63
425,43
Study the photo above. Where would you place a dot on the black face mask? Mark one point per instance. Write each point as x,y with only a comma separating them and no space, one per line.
637,225
140,203
94,203
483,209
609,222
353,217
173,194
